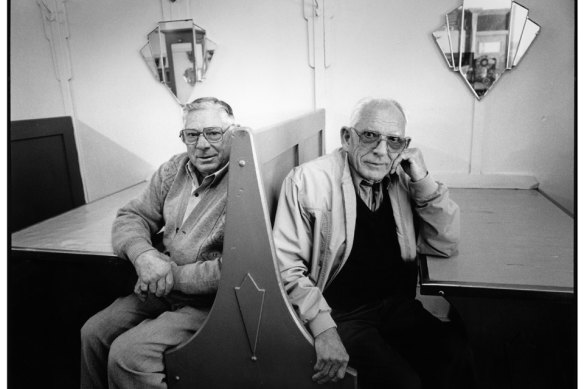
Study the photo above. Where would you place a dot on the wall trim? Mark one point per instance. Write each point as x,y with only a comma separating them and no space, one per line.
56,30
487,181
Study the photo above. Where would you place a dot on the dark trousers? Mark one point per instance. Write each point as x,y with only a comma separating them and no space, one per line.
398,344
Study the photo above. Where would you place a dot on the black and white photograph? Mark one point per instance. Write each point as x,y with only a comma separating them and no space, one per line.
291,194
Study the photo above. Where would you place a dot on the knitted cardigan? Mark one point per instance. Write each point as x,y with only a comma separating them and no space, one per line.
195,246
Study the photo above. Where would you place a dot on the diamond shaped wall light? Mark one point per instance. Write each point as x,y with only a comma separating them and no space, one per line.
483,38
178,54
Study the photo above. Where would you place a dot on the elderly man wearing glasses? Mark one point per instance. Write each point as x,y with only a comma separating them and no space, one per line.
184,202
348,228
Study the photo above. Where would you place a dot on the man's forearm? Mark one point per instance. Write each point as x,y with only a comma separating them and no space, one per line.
138,220
132,249
440,220
201,277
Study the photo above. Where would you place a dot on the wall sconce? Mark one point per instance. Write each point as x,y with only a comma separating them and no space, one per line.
483,38
178,54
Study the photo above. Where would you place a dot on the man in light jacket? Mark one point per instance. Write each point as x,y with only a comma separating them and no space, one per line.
348,229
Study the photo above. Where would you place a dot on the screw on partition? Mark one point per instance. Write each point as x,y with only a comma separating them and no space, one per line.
242,163
177,378
254,358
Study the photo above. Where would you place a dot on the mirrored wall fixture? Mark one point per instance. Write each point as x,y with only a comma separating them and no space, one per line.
178,54
483,38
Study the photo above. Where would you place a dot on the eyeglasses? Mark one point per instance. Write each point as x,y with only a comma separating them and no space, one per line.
371,139
212,134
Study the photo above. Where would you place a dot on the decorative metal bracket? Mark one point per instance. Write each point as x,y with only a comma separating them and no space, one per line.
56,31
318,15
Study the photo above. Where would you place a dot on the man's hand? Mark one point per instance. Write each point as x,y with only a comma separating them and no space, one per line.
154,274
331,357
412,162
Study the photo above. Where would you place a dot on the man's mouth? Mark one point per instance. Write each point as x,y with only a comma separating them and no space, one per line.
375,164
205,157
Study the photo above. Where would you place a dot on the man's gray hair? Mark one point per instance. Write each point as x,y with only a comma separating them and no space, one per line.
205,103
370,104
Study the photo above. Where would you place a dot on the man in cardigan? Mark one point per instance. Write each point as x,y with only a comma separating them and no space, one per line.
347,231
123,345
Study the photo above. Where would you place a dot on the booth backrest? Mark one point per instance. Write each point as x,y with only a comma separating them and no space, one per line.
252,337
45,179
284,146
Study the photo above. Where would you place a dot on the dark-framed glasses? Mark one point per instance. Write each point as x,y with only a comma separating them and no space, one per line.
213,134
371,139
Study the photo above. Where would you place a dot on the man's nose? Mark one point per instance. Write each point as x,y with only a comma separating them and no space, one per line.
202,143
381,149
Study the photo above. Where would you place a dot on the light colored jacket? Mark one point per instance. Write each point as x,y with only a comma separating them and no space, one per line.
315,226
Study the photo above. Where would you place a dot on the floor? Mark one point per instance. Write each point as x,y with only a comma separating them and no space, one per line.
521,343
48,302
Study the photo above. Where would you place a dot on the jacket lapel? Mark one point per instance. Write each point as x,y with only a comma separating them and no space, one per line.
350,202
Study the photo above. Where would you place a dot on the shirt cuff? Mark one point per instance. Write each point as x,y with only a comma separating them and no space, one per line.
424,188
322,322
135,249
176,274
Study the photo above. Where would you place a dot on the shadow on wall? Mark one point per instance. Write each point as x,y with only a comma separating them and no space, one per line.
548,184
108,167
555,183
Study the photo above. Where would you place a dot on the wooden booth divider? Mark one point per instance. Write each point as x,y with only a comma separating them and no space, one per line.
252,337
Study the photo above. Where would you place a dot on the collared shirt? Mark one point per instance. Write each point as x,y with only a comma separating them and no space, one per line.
369,191
198,190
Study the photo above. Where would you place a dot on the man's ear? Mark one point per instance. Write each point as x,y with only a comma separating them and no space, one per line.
231,131
345,137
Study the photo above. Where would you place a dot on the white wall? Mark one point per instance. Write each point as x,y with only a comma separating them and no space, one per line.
127,124
34,90
260,67
388,51
530,126
525,125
